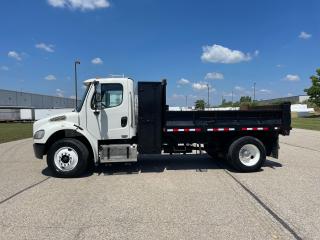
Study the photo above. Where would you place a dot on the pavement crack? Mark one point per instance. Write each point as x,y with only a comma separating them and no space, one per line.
23,190
268,209
293,145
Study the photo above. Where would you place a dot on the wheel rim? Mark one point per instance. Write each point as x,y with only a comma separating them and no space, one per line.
66,159
249,155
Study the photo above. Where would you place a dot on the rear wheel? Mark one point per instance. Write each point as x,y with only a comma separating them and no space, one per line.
247,154
68,158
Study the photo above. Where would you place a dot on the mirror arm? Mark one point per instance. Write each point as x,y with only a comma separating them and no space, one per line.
96,112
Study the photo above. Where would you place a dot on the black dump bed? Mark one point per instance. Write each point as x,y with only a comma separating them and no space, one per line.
260,118
157,125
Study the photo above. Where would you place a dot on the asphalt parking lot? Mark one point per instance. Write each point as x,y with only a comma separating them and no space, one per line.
179,197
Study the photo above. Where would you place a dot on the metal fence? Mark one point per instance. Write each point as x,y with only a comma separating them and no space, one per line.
30,100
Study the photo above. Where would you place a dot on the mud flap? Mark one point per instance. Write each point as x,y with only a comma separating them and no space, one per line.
275,149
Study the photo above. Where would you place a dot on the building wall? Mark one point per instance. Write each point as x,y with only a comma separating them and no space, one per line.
30,100
303,99
292,99
9,114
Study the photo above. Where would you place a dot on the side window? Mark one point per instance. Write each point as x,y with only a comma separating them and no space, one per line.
111,95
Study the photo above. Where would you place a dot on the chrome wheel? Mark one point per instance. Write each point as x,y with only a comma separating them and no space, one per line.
66,159
249,155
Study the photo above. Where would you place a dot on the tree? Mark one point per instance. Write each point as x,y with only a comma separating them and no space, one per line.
225,103
245,99
314,90
200,104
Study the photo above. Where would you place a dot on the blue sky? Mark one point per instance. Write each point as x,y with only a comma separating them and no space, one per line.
226,44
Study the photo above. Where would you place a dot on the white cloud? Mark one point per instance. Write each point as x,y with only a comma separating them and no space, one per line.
57,3
199,86
4,68
238,88
265,91
177,96
214,76
50,77
304,35
256,53
45,47
242,91
15,55
97,61
279,65
219,54
193,96
83,5
226,94
290,94
183,81
59,92
292,78
73,97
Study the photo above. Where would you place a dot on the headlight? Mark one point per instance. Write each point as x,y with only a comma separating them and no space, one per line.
39,134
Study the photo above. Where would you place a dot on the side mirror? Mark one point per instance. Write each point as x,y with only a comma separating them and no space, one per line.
97,97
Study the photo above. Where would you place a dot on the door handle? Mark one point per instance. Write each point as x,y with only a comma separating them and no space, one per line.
124,121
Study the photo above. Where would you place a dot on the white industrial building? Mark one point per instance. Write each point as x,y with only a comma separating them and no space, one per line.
293,99
16,106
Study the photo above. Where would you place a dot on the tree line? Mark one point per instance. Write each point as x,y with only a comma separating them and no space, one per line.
244,100
313,92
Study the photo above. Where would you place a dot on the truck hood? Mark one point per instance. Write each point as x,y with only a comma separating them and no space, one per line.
62,117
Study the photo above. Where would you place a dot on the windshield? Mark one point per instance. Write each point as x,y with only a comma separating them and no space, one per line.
83,98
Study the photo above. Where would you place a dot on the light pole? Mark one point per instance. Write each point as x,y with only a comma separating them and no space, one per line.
254,91
76,80
186,101
208,94
232,97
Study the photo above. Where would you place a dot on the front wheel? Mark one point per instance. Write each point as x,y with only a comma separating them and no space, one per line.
247,154
68,158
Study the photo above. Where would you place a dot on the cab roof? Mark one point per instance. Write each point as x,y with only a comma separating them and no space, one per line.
106,80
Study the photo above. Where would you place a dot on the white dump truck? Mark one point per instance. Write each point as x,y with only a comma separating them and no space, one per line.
114,123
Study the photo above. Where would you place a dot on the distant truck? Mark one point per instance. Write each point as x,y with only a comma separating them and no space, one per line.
114,123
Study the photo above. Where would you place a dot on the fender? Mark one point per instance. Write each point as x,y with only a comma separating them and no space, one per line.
53,127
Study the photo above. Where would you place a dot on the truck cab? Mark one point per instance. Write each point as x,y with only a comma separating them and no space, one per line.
105,115
115,123
107,112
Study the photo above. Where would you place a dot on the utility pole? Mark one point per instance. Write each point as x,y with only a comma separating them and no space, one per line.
76,80
254,91
232,97
208,95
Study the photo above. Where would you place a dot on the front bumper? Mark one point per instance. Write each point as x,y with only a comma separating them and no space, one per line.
39,150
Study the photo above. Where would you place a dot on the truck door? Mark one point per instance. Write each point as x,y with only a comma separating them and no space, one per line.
111,121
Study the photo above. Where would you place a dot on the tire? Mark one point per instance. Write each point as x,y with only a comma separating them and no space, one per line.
68,158
247,154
